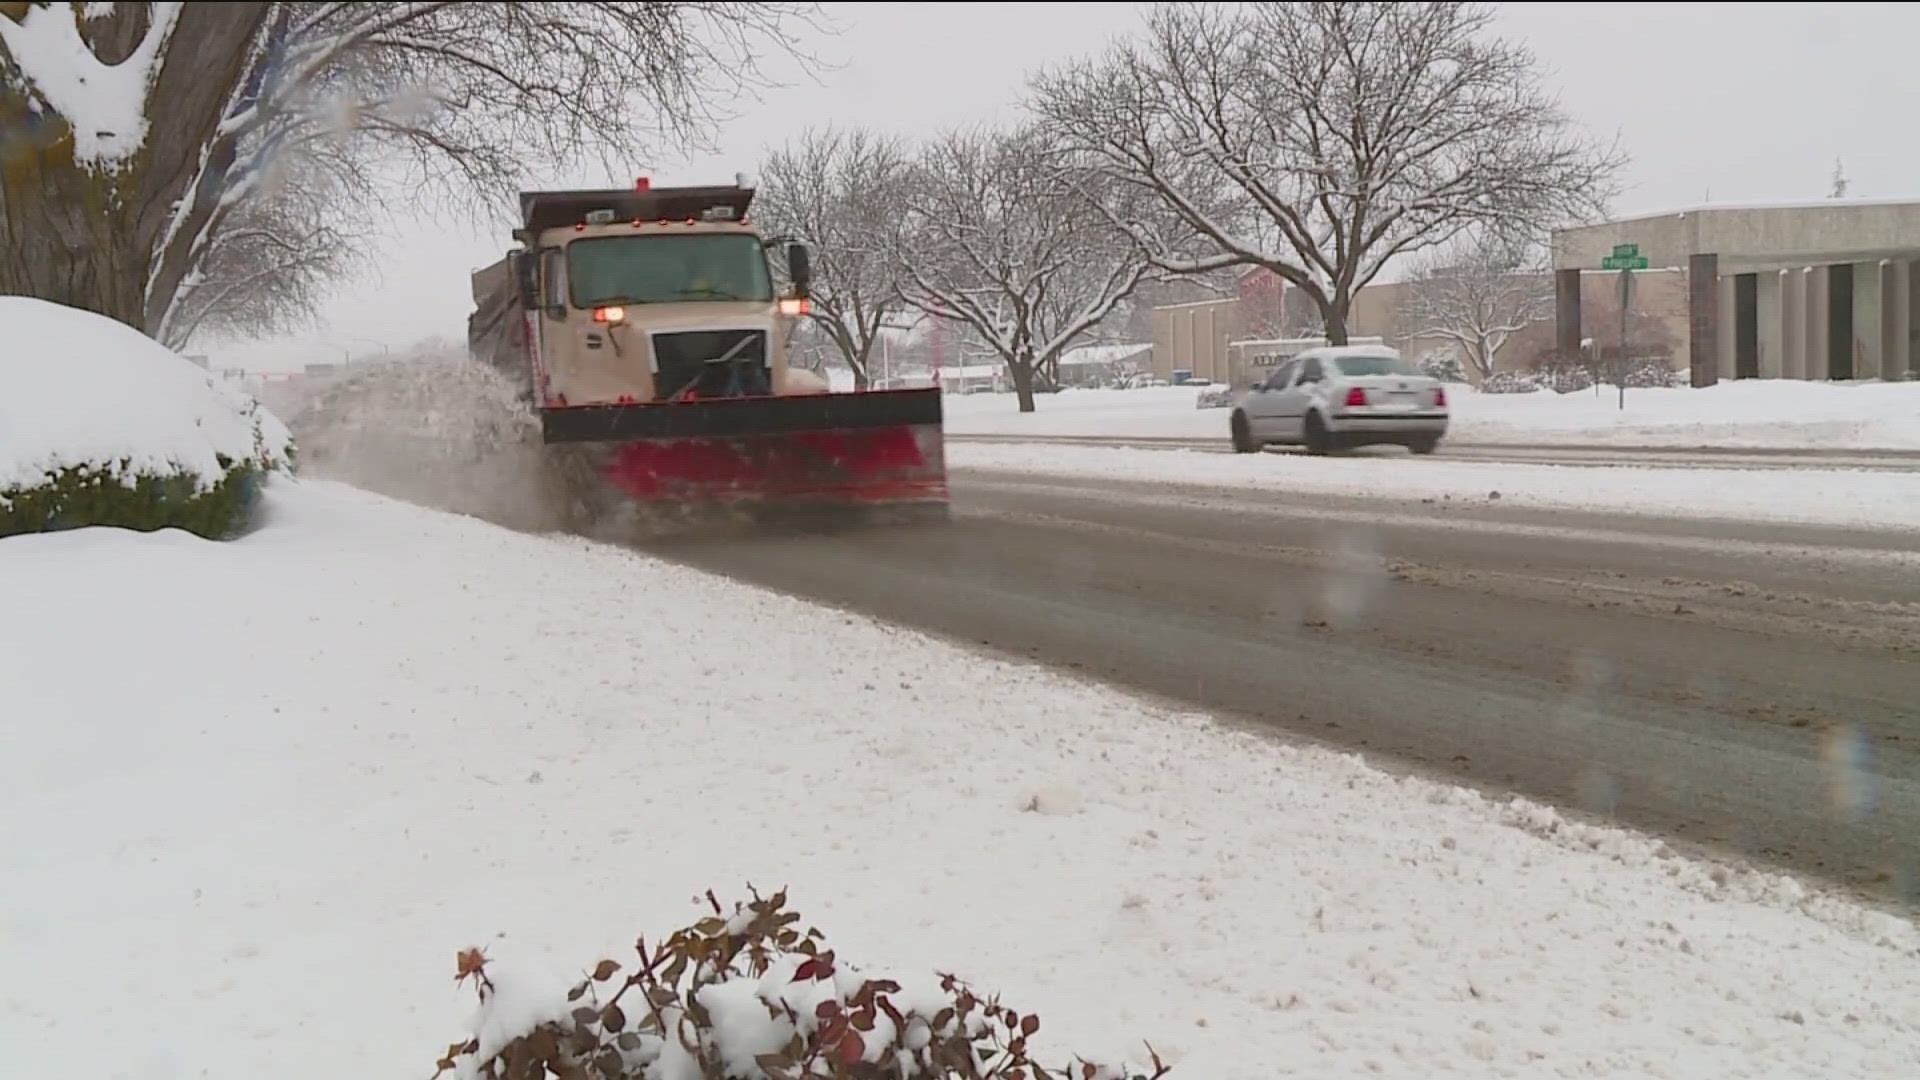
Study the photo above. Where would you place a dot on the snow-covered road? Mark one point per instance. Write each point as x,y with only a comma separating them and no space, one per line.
254,796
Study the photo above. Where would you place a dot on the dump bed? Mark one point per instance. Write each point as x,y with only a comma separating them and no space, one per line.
496,331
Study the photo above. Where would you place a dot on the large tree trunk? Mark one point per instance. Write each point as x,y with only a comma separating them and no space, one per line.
87,237
1022,372
1333,313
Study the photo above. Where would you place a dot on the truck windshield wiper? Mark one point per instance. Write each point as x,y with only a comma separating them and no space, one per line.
610,301
716,294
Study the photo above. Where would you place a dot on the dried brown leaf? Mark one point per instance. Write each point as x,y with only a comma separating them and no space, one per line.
604,970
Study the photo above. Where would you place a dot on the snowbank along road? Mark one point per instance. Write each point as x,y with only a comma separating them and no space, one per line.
1596,455
1746,689
385,734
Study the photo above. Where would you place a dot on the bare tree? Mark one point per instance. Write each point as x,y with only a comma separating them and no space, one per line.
141,137
1477,295
999,238
1324,141
841,192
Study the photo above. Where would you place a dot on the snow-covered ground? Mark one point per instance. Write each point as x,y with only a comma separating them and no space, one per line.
255,795
1748,414
1857,499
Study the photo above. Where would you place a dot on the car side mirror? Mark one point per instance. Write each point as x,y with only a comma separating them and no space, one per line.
800,268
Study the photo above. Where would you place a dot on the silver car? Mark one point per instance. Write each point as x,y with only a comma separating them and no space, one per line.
1342,396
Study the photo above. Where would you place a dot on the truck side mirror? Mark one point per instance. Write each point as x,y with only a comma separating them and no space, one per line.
521,265
800,268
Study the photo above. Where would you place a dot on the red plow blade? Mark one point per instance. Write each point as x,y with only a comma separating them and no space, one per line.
874,467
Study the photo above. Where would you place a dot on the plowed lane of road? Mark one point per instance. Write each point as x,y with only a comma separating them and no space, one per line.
1746,690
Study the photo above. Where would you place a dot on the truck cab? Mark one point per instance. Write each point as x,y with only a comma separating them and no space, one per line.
643,297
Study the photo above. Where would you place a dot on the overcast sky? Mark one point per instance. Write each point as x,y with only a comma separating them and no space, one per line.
1717,103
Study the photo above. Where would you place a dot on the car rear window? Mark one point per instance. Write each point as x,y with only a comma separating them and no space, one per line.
1362,366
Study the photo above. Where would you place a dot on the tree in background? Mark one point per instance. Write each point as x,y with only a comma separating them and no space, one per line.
1324,141
1476,295
843,193
162,162
1003,238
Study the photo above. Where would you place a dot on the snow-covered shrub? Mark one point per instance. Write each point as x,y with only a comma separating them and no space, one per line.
1511,382
1564,378
746,996
1655,373
1214,397
102,426
1444,366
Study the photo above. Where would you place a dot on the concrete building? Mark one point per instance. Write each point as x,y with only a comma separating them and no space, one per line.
1823,290
1192,338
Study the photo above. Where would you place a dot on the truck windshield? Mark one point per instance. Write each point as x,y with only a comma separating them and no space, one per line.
667,269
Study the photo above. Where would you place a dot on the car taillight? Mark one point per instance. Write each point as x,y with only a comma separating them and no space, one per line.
1356,398
1439,397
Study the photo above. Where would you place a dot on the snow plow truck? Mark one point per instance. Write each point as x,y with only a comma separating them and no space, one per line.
651,342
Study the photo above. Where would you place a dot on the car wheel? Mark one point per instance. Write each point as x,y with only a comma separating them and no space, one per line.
1424,446
1243,442
1319,440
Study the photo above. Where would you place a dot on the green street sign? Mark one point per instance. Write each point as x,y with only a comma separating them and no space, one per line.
1626,251
1624,262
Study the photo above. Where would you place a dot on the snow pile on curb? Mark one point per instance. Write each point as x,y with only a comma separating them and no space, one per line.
1848,499
429,732
82,390
1750,413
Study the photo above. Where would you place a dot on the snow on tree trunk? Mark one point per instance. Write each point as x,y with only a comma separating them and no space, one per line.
86,206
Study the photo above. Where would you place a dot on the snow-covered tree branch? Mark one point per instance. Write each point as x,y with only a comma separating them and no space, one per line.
1324,141
842,193
1477,294
138,135
1005,236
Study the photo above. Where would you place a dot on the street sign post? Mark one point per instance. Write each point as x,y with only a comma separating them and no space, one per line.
1625,258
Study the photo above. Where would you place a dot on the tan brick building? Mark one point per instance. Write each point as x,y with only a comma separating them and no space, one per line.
1198,338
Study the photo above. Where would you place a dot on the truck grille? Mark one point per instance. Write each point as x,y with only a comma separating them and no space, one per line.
689,359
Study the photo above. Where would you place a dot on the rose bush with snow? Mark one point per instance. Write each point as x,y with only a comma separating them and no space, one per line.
101,425
749,996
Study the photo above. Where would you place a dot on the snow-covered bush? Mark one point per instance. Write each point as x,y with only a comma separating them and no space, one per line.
101,425
748,996
1511,382
1655,373
1444,366
1564,378
1214,397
